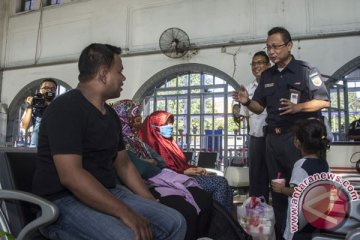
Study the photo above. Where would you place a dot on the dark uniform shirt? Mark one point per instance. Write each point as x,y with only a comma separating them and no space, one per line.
299,82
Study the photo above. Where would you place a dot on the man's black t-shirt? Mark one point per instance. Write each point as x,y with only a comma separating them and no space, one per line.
72,125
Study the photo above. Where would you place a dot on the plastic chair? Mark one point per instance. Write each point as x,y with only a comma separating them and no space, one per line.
49,213
238,178
189,156
209,160
20,208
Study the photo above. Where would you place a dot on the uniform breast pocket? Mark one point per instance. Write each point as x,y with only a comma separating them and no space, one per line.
270,96
269,91
296,92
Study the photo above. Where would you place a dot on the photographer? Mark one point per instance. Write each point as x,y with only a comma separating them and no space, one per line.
35,107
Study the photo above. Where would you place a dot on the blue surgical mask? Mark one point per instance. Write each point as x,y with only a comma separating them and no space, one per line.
167,131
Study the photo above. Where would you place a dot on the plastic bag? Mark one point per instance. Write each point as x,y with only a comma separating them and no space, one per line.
257,218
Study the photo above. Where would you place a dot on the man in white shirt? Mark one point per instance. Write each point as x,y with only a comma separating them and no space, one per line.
259,181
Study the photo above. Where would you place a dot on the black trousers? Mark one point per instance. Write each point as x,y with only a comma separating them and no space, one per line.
281,154
197,224
258,174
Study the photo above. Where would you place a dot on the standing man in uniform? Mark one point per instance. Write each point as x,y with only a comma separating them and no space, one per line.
289,90
80,154
259,180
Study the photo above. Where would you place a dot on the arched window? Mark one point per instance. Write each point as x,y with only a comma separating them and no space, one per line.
344,87
199,96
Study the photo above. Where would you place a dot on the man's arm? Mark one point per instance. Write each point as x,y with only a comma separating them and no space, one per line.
242,96
92,193
130,176
26,118
309,106
255,107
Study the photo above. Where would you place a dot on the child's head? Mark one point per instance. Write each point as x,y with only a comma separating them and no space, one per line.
310,137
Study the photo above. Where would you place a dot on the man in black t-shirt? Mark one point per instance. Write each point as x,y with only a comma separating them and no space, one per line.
80,154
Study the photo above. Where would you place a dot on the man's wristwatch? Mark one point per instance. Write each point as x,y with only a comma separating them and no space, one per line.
247,103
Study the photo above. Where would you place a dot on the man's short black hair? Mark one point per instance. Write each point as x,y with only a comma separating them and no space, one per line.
93,57
262,54
48,80
286,37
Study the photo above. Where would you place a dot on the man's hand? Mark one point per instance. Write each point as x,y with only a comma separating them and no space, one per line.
138,224
235,96
29,100
288,107
241,95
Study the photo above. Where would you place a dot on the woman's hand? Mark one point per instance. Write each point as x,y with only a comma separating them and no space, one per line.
153,161
201,171
195,171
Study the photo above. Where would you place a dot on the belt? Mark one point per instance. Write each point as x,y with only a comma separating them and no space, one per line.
277,130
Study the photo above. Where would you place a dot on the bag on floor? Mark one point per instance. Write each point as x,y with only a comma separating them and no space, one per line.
224,227
257,218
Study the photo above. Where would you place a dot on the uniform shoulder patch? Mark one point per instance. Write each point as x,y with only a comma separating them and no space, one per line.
316,80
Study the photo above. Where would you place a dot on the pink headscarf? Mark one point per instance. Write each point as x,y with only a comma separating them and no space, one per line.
166,147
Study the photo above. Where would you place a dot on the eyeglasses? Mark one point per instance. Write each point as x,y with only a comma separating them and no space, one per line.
275,47
254,64
53,89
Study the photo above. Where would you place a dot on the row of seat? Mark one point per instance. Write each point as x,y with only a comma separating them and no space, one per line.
237,177
18,214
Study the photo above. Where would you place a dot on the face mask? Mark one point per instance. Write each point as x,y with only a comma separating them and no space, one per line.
167,131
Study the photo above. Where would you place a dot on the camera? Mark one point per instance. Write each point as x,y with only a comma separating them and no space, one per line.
38,101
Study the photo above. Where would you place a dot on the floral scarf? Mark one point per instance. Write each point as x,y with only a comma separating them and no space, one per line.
127,110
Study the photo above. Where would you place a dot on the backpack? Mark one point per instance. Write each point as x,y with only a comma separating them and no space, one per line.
224,227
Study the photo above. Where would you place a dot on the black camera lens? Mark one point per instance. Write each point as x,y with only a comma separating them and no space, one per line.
49,96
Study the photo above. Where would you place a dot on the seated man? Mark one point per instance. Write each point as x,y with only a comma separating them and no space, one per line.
80,152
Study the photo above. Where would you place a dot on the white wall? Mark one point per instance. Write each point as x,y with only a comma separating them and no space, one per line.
2,25
343,155
136,25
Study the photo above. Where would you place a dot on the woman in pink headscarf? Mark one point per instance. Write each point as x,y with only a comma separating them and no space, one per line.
156,131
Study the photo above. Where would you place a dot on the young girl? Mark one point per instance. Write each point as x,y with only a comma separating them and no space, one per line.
310,138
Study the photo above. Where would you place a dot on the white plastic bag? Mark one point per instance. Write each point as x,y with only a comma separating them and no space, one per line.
257,218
